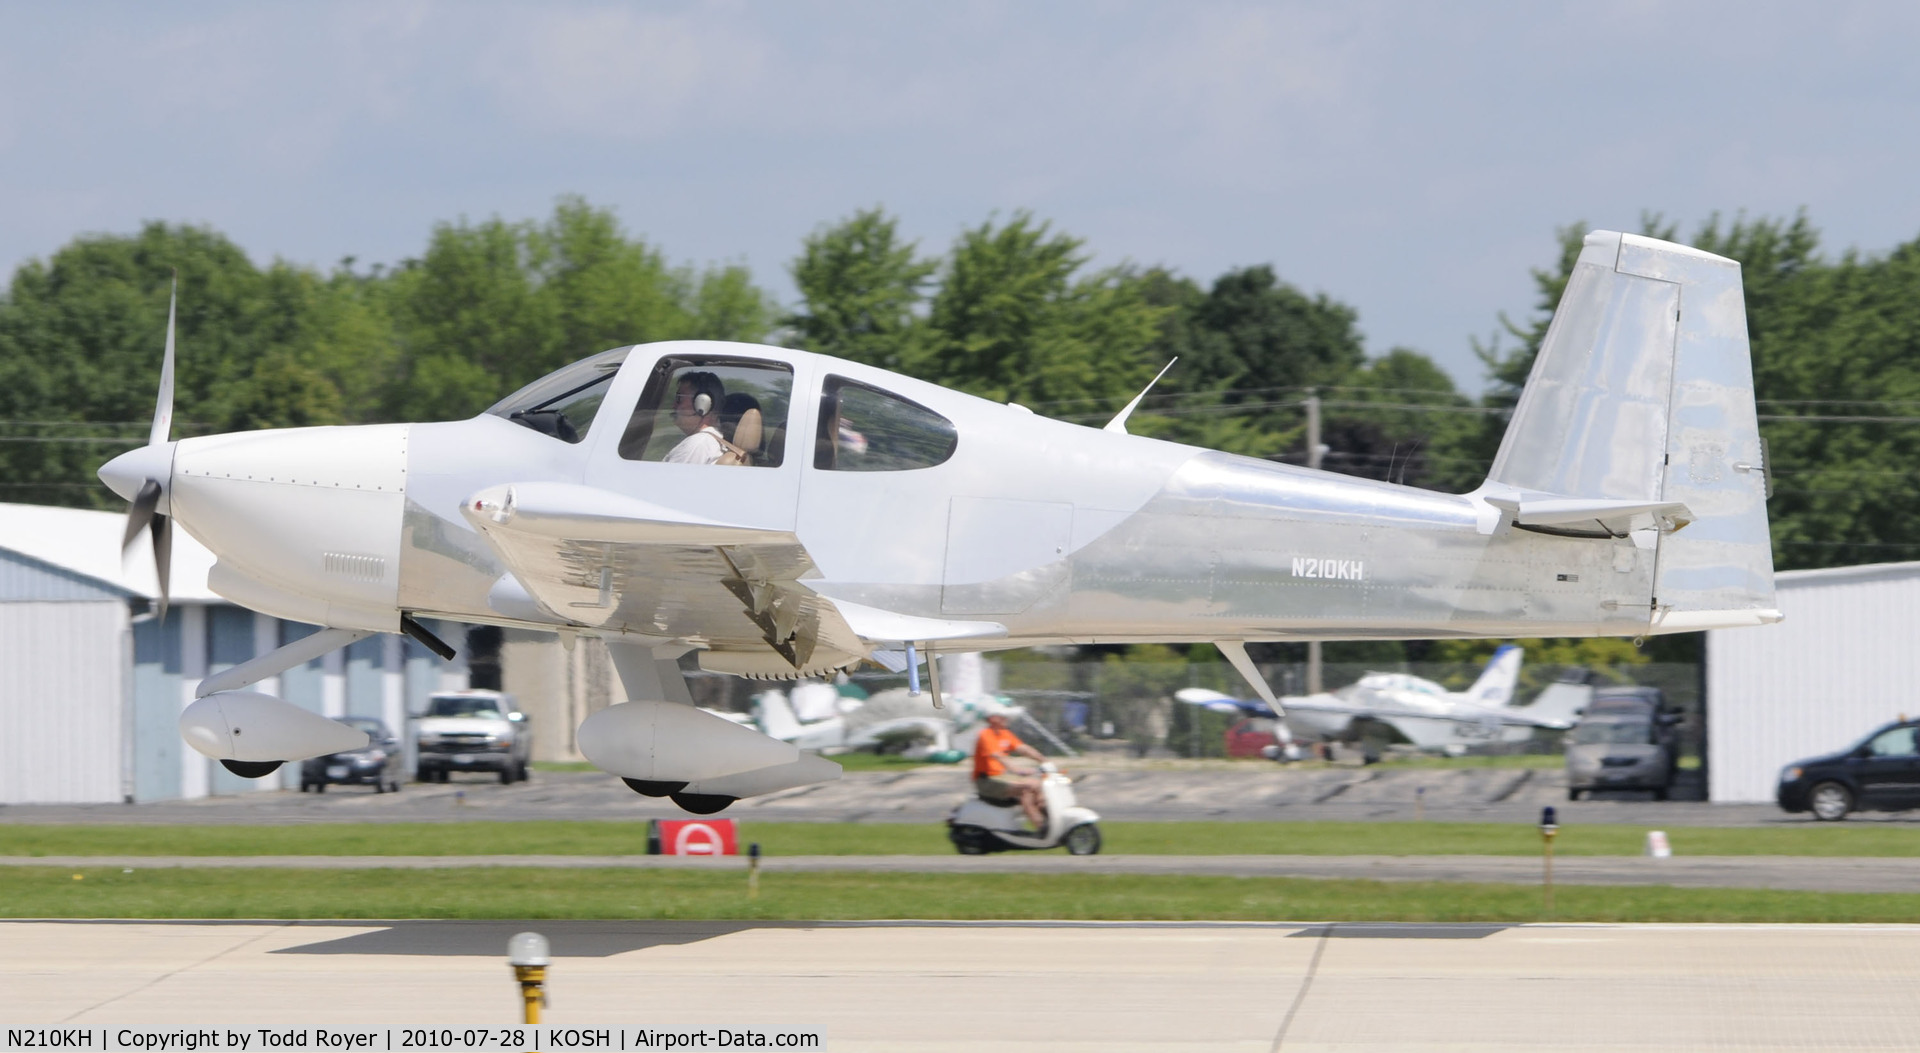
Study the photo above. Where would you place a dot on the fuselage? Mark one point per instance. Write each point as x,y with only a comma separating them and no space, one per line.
1059,532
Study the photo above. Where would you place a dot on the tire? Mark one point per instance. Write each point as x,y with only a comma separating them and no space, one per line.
1660,794
506,776
969,840
520,772
319,787
1830,802
1083,840
702,803
1573,794
393,786
306,787
440,776
379,787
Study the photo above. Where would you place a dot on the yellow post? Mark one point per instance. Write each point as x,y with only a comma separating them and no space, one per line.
533,992
1548,829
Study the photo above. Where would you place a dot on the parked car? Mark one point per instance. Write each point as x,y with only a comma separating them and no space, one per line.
380,763
1261,737
1881,774
473,731
1624,741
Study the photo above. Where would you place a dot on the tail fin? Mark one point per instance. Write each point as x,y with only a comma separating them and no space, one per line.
1495,686
1638,421
776,715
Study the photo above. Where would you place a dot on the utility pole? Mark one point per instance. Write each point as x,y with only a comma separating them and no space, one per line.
1314,451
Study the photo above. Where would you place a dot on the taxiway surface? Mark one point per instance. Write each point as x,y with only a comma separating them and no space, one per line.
1249,792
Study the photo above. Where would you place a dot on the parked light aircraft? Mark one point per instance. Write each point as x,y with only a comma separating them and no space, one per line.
878,517
1427,714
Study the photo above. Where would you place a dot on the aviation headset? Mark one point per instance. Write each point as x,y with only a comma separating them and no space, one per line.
704,386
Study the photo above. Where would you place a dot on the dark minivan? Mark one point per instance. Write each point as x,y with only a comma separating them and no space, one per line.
1881,774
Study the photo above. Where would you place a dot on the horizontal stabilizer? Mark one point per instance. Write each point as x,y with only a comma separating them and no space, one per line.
1614,518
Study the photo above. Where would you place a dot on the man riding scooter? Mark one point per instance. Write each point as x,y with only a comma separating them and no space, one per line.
991,778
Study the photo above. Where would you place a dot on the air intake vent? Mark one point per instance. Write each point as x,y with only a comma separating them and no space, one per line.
356,568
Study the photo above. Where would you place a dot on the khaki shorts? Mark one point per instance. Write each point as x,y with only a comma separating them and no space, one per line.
994,787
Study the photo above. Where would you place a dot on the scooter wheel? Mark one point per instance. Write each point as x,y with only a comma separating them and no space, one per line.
1083,840
969,840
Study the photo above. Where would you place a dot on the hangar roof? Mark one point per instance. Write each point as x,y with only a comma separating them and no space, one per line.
1837,575
87,543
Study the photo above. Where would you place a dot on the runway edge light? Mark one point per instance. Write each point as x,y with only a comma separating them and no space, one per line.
527,954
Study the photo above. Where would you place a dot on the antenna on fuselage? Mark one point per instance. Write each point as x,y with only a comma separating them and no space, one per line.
1119,422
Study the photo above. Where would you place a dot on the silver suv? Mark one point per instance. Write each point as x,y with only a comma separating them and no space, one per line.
473,731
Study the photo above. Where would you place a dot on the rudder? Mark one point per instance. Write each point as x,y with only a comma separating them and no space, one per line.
1638,420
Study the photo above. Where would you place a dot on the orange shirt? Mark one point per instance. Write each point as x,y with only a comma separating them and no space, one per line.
987,750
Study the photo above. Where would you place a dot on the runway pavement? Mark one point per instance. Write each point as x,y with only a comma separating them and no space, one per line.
1812,874
944,987
1249,792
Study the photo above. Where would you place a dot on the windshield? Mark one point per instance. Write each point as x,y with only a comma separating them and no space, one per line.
1613,733
483,708
563,403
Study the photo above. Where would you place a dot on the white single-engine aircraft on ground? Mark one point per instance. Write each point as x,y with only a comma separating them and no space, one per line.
1427,714
855,514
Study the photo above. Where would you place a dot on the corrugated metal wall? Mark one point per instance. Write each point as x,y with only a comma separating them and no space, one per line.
1845,660
61,700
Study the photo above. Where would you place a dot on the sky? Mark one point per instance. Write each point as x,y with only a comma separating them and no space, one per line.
1412,160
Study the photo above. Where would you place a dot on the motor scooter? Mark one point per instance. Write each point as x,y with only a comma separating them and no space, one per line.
979,825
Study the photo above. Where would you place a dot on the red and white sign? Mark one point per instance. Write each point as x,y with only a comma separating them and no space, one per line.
697,837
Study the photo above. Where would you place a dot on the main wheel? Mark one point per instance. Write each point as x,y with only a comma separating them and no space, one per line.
252,769
1083,840
702,803
1830,801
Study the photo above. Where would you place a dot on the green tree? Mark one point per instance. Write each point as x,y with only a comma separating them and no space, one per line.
81,336
861,290
1013,321
493,305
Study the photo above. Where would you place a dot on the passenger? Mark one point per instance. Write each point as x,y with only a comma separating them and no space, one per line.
992,780
696,412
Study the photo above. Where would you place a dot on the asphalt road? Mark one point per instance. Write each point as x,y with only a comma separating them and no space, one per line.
1250,793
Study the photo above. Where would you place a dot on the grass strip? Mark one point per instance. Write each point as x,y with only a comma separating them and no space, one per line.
627,837
521,893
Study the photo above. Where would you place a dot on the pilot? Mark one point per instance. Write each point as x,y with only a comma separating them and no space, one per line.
992,780
696,412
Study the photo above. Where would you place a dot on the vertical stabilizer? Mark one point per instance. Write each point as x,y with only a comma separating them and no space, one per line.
1638,422
776,715
1497,681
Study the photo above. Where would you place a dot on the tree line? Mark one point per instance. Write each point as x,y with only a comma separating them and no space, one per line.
1011,309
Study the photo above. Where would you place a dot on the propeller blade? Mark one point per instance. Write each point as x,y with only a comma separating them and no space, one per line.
140,513
163,409
163,557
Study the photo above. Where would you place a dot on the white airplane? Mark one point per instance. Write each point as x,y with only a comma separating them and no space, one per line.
710,497
842,727
1427,714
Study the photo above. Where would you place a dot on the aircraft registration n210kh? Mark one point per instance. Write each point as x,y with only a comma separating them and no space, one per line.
784,514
